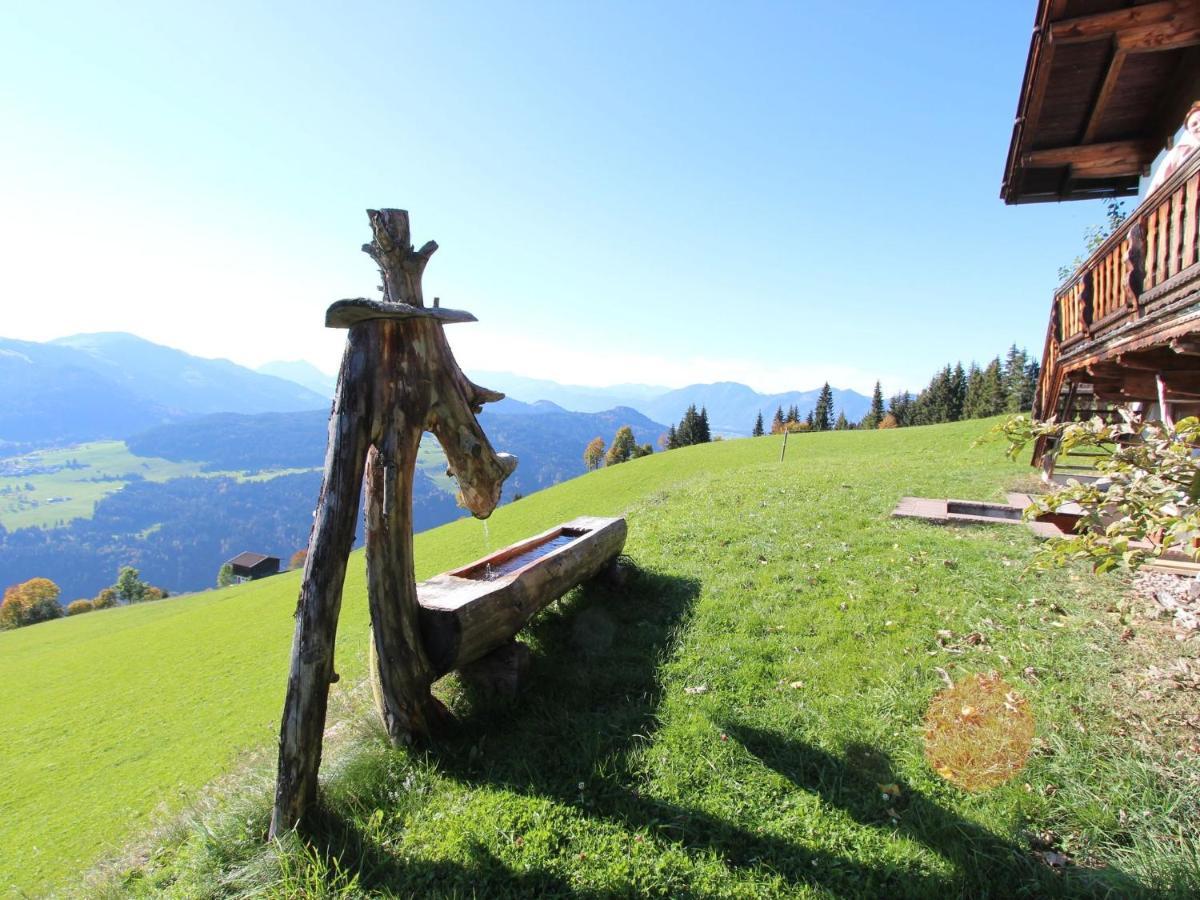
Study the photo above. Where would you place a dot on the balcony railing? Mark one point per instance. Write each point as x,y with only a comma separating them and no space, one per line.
1137,271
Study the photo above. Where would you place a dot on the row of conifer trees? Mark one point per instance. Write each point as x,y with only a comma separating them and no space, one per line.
692,429
953,393
976,392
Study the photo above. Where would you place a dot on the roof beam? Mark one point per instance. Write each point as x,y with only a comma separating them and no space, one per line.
1095,160
1165,25
1106,91
1186,347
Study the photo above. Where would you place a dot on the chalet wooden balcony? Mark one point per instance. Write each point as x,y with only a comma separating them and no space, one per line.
1126,326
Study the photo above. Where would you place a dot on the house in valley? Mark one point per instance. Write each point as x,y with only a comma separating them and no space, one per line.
250,566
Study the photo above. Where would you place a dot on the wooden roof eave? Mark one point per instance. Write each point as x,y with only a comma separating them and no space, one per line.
1085,167
1035,48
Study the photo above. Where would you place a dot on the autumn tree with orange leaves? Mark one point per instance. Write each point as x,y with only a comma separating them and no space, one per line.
30,602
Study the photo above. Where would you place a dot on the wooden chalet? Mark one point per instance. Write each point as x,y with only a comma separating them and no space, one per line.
1106,87
249,566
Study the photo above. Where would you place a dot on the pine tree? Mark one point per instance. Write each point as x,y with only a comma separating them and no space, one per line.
1033,372
875,415
808,420
957,392
672,439
758,426
823,414
842,423
793,414
900,408
994,397
941,396
777,422
973,398
703,435
1014,377
687,427
936,403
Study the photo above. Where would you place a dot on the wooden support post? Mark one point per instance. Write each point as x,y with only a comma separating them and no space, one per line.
321,592
398,380
501,673
783,449
1164,408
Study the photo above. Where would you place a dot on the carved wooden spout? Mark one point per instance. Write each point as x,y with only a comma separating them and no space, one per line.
398,379
479,470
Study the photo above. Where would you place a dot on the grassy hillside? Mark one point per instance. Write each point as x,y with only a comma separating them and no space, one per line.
118,711
805,621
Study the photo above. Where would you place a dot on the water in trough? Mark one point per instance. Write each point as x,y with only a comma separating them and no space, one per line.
506,567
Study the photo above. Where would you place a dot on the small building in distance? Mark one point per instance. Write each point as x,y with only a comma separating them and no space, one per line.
251,566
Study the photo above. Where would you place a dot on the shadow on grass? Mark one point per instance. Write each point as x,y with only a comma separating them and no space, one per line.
344,847
989,866
593,699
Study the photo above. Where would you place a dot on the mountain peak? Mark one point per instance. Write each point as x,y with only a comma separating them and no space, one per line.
110,384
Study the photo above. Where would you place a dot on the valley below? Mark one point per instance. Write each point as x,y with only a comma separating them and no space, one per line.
180,499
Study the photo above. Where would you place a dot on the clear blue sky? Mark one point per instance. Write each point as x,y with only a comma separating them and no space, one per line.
664,192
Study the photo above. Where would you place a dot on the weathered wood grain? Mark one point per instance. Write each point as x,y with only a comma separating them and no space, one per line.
321,591
398,379
345,313
463,618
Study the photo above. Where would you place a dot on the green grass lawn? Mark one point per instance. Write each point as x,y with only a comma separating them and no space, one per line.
104,467
805,622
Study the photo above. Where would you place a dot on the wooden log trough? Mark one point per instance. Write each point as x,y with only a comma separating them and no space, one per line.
469,616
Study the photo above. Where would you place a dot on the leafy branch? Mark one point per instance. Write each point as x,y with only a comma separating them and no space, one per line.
1095,235
1145,500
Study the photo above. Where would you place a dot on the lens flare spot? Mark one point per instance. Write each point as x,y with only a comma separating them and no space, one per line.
978,733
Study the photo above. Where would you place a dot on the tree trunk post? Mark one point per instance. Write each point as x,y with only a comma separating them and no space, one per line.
304,708
398,379
405,677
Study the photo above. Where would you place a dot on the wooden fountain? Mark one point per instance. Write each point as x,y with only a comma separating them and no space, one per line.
469,615
399,379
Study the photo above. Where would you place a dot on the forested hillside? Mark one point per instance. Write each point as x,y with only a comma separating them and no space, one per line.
177,532
548,440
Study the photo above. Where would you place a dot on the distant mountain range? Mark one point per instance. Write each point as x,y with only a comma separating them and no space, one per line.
166,403
574,397
111,385
547,439
732,407
178,532
303,373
